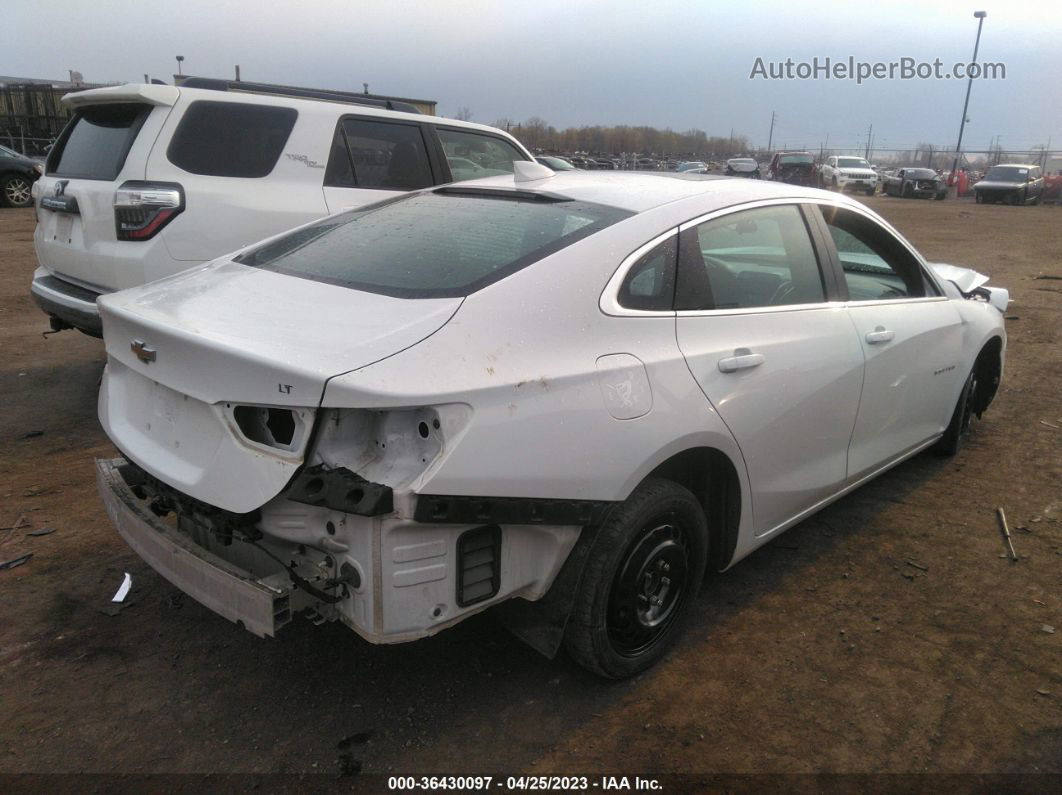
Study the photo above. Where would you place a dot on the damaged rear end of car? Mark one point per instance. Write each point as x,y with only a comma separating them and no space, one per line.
243,487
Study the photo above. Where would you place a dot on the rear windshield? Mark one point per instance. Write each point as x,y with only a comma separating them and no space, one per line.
920,173
796,160
230,139
445,243
97,140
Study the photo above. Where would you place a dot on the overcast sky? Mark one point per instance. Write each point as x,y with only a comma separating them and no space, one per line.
572,62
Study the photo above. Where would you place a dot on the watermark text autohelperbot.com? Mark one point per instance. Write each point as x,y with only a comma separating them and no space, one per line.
849,68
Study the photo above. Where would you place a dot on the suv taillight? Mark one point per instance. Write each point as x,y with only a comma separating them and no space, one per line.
141,209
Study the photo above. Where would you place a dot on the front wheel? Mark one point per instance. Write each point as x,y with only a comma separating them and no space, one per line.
644,570
955,434
16,191
870,191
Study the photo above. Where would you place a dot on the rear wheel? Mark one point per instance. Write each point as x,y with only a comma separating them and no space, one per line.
870,191
979,197
15,190
643,572
952,440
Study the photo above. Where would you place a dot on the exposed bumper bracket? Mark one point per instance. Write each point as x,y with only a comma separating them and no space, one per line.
215,583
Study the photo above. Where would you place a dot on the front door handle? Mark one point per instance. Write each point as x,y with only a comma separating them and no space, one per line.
743,359
879,335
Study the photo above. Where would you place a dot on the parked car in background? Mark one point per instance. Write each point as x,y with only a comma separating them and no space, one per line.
691,164
794,168
142,184
17,175
364,441
556,163
1012,183
847,173
911,183
742,167
582,163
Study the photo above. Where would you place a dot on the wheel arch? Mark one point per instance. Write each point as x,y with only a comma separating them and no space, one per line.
712,477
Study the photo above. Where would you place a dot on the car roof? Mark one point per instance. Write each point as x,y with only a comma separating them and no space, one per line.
638,192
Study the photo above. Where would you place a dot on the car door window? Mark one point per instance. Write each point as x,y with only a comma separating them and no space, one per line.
472,155
876,265
373,154
749,259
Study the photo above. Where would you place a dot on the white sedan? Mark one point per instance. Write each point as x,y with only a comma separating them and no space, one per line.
562,396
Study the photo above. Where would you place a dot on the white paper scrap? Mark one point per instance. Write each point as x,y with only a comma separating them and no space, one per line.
123,589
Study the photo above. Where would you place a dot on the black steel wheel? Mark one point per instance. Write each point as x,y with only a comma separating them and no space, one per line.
649,589
643,572
15,190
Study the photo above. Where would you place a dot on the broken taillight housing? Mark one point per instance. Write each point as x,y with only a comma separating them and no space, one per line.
278,427
141,209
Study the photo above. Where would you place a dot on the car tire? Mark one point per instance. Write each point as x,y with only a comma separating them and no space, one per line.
869,191
1036,201
907,191
979,197
15,190
941,197
643,573
954,435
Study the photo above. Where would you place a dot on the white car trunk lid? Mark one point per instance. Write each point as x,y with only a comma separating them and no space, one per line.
183,351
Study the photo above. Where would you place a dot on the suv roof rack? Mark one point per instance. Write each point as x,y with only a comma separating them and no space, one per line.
349,97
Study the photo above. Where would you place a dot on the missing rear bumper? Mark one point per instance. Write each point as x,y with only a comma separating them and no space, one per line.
226,589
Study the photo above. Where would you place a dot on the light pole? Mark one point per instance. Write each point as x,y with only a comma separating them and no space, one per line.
980,17
180,59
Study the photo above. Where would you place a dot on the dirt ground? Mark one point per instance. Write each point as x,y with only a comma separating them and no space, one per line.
888,634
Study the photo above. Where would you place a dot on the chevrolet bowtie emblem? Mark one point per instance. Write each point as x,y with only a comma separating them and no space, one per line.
142,351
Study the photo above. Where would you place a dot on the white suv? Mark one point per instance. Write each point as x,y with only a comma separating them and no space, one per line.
848,173
149,180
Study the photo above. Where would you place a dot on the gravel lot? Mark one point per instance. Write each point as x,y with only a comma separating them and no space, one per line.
886,634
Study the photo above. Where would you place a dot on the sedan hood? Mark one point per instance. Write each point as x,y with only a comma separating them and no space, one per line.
996,184
230,332
968,281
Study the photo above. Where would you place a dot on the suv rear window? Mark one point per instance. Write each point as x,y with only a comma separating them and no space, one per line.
97,140
463,241
230,139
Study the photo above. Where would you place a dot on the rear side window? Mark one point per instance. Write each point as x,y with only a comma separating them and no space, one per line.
97,140
749,259
463,242
472,155
650,283
230,139
375,154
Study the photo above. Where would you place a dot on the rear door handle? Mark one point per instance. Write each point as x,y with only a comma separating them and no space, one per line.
879,335
743,359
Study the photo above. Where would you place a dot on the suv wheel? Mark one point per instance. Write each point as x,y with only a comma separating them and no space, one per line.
644,570
16,190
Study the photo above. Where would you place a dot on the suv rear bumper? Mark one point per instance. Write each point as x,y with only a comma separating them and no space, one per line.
70,303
